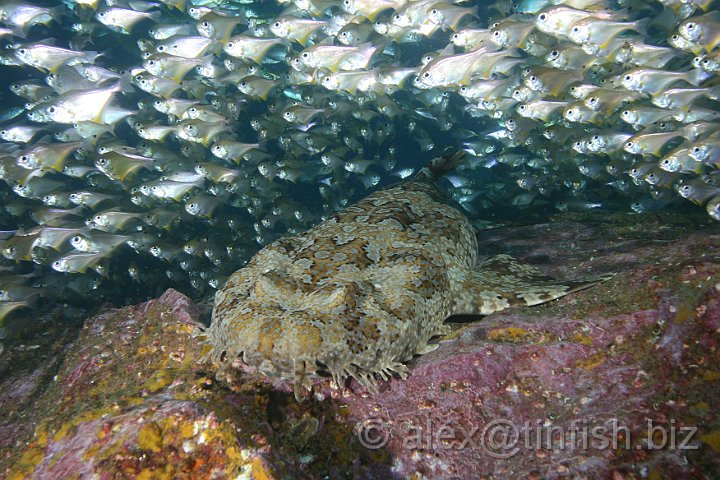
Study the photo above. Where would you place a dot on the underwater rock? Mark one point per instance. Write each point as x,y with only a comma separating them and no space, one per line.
130,400
636,355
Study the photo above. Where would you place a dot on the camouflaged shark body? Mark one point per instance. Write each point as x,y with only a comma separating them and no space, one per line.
365,290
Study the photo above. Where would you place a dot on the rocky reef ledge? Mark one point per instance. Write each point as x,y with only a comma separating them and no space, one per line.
621,381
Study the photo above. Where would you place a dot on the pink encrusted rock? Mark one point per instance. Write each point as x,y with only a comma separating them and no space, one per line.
129,401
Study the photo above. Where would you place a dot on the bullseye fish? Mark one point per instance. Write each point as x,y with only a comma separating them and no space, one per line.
362,292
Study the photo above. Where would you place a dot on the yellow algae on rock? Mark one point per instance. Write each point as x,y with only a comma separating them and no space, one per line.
712,439
509,334
593,361
150,437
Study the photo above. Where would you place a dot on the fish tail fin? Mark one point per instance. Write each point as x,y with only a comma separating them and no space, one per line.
439,166
641,26
697,76
502,281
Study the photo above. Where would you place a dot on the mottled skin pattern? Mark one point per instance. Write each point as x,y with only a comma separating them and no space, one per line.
365,290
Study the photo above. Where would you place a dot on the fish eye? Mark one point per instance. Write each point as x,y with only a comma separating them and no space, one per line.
690,26
570,112
25,158
151,62
397,17
229,45
76,239
426,75
306,55
542,17
554,53
434,11
161,48
243,84
52,110
276,24
576,29
629,144
626,113
523,107
22,51
496,33
628,78
206,24
696,150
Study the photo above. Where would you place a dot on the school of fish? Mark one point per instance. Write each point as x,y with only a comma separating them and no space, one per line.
159,142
